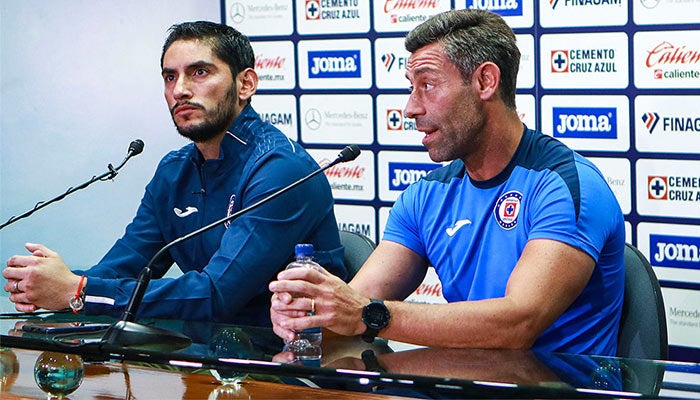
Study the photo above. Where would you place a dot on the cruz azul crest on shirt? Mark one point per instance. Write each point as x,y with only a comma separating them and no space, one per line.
229,211
507,209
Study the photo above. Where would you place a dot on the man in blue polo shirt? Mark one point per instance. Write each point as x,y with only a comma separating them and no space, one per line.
524,234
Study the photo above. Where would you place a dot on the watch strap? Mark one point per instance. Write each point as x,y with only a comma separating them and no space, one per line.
370,334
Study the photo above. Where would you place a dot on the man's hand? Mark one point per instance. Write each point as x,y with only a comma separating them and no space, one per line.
40,280
337,306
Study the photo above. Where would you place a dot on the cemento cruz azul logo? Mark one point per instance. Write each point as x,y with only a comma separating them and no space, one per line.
583,61
674,188
325,9
396,122
313,10
507,209
658,187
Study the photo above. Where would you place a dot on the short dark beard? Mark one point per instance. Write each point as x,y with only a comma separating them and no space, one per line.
215,122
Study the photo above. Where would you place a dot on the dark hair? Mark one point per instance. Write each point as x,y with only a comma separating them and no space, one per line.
226,43
470,38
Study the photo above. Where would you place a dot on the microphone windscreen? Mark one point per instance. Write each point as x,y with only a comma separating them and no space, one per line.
349,153
136,147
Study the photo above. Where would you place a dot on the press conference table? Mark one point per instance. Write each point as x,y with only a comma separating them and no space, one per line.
347,370
128,381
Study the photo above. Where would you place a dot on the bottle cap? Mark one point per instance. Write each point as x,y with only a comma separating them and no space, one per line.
304,250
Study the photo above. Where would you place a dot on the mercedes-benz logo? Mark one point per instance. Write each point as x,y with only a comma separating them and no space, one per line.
313,119
237,13
650,3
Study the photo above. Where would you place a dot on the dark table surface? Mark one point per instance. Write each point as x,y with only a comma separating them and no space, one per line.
351,365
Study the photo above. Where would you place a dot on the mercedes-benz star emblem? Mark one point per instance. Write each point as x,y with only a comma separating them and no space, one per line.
237,13
313,119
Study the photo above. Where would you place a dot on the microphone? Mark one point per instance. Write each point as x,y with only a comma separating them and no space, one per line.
135,148
349,153
127,333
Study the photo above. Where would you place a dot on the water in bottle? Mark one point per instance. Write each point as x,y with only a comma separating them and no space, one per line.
307,344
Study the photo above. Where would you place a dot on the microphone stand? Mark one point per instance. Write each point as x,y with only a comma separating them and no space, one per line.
127,333
135,148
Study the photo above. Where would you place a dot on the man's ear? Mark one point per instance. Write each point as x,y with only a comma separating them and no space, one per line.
486,78
247,84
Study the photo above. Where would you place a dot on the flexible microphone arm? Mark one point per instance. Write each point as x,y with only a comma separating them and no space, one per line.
135,148
125,331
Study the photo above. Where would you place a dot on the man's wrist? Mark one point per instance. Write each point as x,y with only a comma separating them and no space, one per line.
77,302
375,316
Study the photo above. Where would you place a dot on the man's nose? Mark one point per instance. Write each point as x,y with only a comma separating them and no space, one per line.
181,89
413,107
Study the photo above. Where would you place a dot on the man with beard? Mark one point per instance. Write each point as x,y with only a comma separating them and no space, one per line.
235,159
525,235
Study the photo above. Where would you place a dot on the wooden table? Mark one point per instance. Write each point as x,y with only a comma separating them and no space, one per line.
128,381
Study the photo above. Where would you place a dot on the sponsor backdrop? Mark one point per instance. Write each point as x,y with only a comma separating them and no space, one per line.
616,80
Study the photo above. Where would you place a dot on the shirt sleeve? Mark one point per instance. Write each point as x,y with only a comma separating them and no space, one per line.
403,223
589,228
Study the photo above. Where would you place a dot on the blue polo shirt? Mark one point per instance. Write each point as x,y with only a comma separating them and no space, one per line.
473,233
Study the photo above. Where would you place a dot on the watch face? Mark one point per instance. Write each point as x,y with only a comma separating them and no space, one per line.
376,315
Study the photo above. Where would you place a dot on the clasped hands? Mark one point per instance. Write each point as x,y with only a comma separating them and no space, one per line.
39,280
337,306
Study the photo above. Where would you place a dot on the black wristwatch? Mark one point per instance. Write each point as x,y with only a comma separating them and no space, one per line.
376,317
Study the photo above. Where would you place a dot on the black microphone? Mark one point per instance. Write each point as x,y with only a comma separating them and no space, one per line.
135,148
349,153
127,333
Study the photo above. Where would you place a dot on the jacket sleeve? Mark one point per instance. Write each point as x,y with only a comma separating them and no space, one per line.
253,248
111,281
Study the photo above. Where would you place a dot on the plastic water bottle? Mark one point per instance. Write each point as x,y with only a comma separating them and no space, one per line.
307,344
